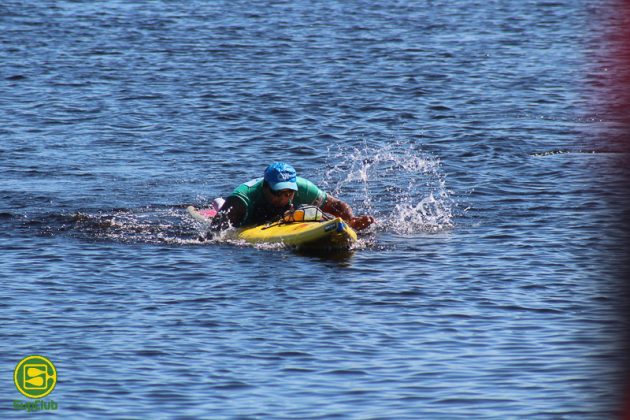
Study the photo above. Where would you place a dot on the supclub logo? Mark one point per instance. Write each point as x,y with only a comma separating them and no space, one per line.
35,376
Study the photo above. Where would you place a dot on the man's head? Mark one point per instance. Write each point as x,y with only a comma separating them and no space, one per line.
281,176
281,180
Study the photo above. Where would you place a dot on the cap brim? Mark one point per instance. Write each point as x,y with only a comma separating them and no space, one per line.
284,186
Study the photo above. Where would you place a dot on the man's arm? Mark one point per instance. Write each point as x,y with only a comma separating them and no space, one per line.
232,213
341,209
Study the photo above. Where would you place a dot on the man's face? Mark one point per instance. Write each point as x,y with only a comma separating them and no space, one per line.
279,199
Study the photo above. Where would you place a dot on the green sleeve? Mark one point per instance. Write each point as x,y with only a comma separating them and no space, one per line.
249,193
309,193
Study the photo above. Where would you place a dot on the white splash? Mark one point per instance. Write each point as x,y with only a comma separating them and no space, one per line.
402,186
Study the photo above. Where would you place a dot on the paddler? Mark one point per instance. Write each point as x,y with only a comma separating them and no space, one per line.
280,189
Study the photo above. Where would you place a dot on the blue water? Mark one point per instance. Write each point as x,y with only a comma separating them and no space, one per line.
472,130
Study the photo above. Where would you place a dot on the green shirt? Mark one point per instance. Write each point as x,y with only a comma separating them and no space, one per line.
258,211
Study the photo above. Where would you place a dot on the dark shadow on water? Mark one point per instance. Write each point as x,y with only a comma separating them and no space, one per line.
340,256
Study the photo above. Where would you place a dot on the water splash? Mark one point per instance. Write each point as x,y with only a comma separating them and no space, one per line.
157,225
402,186
150,225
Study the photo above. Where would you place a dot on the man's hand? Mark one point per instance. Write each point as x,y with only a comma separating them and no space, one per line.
232,213
361,222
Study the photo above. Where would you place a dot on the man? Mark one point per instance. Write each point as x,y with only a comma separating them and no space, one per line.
265,199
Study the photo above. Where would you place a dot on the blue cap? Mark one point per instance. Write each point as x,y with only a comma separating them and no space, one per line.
281,176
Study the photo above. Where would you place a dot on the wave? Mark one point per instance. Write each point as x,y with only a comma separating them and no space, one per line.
403,187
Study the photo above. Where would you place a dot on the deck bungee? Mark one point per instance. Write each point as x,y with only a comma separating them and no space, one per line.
334,234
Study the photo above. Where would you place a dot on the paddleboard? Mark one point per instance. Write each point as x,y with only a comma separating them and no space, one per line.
331,235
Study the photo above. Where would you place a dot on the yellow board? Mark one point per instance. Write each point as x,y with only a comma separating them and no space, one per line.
327,234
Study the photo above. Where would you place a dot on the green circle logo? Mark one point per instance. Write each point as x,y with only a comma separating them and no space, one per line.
35,376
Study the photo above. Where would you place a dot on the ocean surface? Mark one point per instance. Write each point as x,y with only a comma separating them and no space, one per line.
475,132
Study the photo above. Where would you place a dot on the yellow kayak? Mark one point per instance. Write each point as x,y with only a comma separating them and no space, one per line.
332,234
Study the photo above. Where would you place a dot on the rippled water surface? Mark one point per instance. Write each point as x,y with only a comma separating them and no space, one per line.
473,131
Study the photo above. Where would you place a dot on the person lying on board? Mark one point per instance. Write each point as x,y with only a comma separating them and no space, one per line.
266,199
